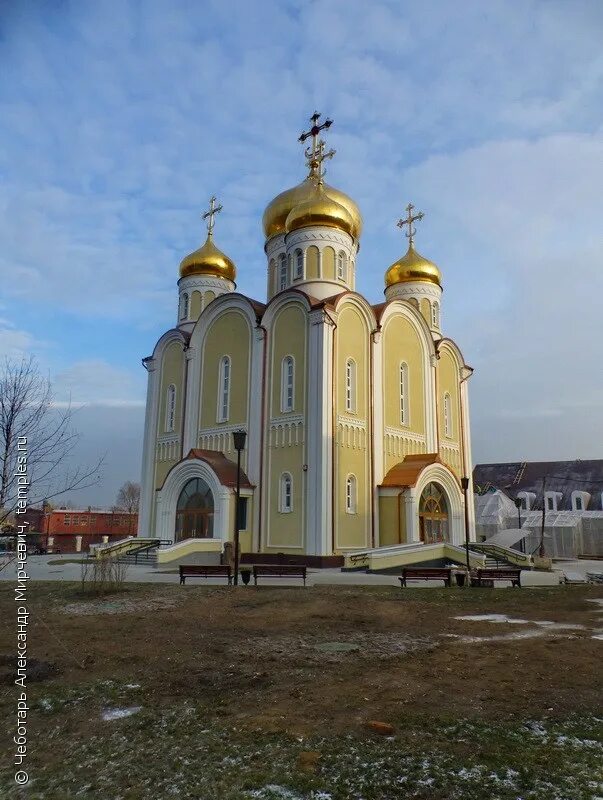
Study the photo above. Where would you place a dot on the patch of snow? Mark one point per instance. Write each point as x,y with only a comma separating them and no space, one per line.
132,686
503,618
119,713
46,704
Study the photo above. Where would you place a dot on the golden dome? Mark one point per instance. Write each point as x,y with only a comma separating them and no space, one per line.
208,260
277,211
413,267
319,209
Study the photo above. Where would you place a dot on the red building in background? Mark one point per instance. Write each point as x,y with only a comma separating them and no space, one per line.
72,530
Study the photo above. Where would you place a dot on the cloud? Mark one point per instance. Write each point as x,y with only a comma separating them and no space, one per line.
98,383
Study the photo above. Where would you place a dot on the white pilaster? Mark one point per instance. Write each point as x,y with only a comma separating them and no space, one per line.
319,514
467,457
377,426
148,449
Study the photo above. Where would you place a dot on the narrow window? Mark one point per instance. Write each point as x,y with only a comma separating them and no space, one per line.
242,513
550,504
404,399
447,416
341,265
287,383
350,495
299,264
578,504
435,314
224,390
170,408
184,306
350,385
282,273
286,494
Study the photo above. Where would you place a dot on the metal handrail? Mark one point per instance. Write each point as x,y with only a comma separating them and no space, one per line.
505,552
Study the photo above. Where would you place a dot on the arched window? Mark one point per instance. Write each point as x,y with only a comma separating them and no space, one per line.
170,408
341,265
404,396
286,496
282,272
435,314
287,383
195,511
184,306
447,416
350,385
224,389
299,264
350,494
433,515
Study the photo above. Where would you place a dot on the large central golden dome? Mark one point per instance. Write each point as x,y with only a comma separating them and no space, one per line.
276,213
413,267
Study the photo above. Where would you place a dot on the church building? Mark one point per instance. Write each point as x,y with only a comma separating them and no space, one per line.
356,414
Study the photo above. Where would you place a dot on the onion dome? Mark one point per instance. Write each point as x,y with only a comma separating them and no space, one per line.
413,267
208,260
319,209
275,216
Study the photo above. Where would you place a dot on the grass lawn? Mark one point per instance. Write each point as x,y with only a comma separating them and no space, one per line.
266,693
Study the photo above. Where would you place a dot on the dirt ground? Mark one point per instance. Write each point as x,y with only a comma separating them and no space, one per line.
303,663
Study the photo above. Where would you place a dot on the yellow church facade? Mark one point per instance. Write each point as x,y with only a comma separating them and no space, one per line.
356,414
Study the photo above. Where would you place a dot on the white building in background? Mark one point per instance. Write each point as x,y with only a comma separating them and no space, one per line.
510,496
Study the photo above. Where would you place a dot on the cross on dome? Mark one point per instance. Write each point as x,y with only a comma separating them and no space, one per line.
315,154
210,215
408,220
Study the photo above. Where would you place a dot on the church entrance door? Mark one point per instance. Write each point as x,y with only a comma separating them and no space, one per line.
195,511
433,515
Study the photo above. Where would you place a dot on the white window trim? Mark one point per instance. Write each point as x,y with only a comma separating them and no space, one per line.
340,265
351,494
435,314
350,385
583,497
448,426
284,507
554,497
184,306
299,264
287,408
404,395
224,383
170,408
282,272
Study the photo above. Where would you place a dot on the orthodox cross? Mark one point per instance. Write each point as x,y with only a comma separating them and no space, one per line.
315,154
408,220
210,215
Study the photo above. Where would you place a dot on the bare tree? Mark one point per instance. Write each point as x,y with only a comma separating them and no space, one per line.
36,440
128,499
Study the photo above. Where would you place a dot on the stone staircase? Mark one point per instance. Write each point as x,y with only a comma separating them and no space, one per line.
140,558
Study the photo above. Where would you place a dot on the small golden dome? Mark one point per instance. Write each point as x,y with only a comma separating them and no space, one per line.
320,209
277,211
413,267
208,260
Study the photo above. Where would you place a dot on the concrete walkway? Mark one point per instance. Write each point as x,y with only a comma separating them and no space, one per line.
39,569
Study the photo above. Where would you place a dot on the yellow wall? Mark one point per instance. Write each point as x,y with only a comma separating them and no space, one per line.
352,445
195,309
288,339
392,521
449,382
312,262
172,371
228,335
288,336
401,343
207,298
328,264
426,310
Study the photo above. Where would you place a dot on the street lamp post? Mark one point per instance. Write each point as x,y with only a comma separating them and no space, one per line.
518,502
465,487
239,443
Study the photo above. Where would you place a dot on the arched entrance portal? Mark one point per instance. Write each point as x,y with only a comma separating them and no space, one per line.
195,511
433,515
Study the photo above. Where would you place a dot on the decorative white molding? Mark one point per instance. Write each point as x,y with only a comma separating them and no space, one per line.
166,498
287,433
168,448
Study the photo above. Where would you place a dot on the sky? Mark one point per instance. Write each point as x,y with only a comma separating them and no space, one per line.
119,119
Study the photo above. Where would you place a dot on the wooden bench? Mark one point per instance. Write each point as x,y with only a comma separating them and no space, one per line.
486,577
425,574
278,571
205,571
